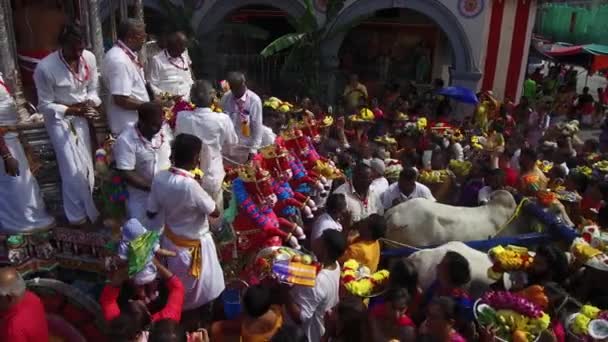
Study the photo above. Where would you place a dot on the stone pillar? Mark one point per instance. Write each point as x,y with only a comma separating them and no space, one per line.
8,60
329,67
96,30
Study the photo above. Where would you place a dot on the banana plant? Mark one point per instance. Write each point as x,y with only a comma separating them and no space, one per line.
303,48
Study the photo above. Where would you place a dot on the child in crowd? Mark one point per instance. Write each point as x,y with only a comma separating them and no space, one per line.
389,320
366,248
441,321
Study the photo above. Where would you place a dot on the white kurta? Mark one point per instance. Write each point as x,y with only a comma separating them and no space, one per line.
185,207
133,152
217,133
22,207
57,89
171,75
246,109
122,76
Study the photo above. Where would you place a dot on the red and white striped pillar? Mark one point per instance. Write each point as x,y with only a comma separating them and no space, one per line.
510,32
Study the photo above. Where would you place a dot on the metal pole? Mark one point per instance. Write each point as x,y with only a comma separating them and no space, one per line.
8,60
123,9
112,20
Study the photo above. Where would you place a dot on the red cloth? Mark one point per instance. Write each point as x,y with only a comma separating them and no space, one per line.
381,311
510,177
25,321
172,310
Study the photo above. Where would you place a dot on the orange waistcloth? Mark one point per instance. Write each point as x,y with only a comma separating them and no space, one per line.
248,336
196,262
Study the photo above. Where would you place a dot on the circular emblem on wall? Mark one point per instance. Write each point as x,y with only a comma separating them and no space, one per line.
321,5
470,8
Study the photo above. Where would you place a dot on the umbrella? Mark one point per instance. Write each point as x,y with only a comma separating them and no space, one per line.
460,94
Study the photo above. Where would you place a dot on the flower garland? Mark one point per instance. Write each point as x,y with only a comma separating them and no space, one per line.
508,259
460,168
358,281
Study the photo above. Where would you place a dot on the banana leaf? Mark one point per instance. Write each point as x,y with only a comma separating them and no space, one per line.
308,22
282,43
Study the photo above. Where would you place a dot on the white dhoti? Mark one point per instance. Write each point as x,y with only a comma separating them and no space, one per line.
22,207
204,289
72,144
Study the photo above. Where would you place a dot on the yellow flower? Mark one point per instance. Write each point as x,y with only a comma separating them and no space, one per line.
421,123
580,324
197,172
590,311
366,114
352,264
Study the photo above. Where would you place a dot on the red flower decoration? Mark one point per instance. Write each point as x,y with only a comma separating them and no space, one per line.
116,180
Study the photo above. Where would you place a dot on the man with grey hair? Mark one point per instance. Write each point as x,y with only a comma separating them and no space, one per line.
124,76
22,316
245,109
217,133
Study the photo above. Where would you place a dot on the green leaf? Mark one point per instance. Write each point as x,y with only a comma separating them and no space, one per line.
282,43
308,22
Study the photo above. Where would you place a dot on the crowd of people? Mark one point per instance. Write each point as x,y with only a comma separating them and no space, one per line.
403,145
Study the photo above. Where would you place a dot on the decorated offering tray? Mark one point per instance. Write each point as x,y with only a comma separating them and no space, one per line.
287,265
589,324
359,281
515,317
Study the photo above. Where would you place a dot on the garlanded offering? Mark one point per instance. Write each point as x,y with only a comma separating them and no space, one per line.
287,265
584,170
359,281
460,168
516,318
434,176
477,142
508,259
589,323
544,165
601,166
386,140
592,252
364,115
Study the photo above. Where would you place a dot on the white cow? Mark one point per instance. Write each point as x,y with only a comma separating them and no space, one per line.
426,262
419,222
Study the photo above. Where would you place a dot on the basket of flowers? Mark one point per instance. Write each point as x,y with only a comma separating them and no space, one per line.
359,281
515,318
508,259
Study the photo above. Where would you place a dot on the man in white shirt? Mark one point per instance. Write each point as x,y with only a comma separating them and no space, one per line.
307,306
361,199
186,207
67,84
335,209
245,109
405,189
141,151
170,70
215,130
379,183
22,206
124,76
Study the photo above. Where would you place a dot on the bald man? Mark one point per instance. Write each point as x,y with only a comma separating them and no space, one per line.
141,151
245,109
124,76
170,70
22,317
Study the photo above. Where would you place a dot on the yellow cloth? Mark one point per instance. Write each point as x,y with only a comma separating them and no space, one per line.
367,253
250,336
196,263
